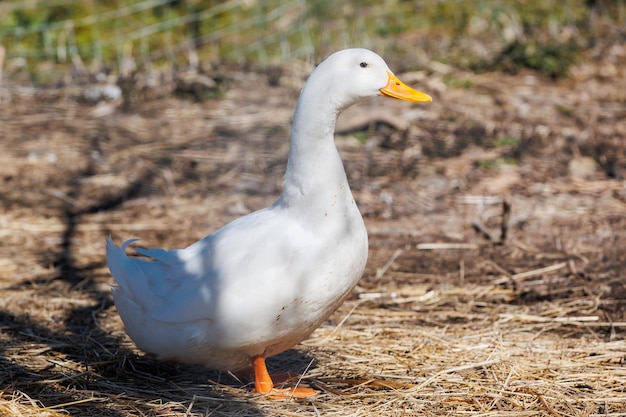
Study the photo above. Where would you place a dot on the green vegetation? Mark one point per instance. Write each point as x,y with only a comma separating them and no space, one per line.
478,35
490,164
505,142
362,136
456,82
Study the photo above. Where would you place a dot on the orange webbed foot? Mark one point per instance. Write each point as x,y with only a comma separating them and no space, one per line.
263,383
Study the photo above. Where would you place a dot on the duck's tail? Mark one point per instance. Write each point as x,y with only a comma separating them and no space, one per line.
134,295
142,281
121,266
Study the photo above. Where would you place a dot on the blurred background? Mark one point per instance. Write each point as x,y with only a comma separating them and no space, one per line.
65,40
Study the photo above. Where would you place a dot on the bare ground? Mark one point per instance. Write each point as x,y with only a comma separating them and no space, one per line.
449,319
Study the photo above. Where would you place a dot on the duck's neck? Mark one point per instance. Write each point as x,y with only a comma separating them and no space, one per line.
314,169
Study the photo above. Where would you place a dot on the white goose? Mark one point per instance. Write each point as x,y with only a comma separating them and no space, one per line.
266,281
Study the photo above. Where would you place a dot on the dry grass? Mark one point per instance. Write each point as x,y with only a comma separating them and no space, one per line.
444,322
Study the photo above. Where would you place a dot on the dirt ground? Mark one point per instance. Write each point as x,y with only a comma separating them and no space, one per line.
450,318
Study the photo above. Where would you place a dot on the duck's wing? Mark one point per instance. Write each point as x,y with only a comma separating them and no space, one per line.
167,287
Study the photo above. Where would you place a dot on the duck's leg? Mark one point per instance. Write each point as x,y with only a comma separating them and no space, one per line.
263,383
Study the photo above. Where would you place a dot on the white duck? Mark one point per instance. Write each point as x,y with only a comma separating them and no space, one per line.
266,281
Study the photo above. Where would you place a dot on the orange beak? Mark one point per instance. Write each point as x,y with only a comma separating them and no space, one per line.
397,89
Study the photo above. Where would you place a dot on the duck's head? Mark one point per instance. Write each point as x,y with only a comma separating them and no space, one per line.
351,75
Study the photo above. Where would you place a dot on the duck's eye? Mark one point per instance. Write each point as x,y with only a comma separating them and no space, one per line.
363,65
